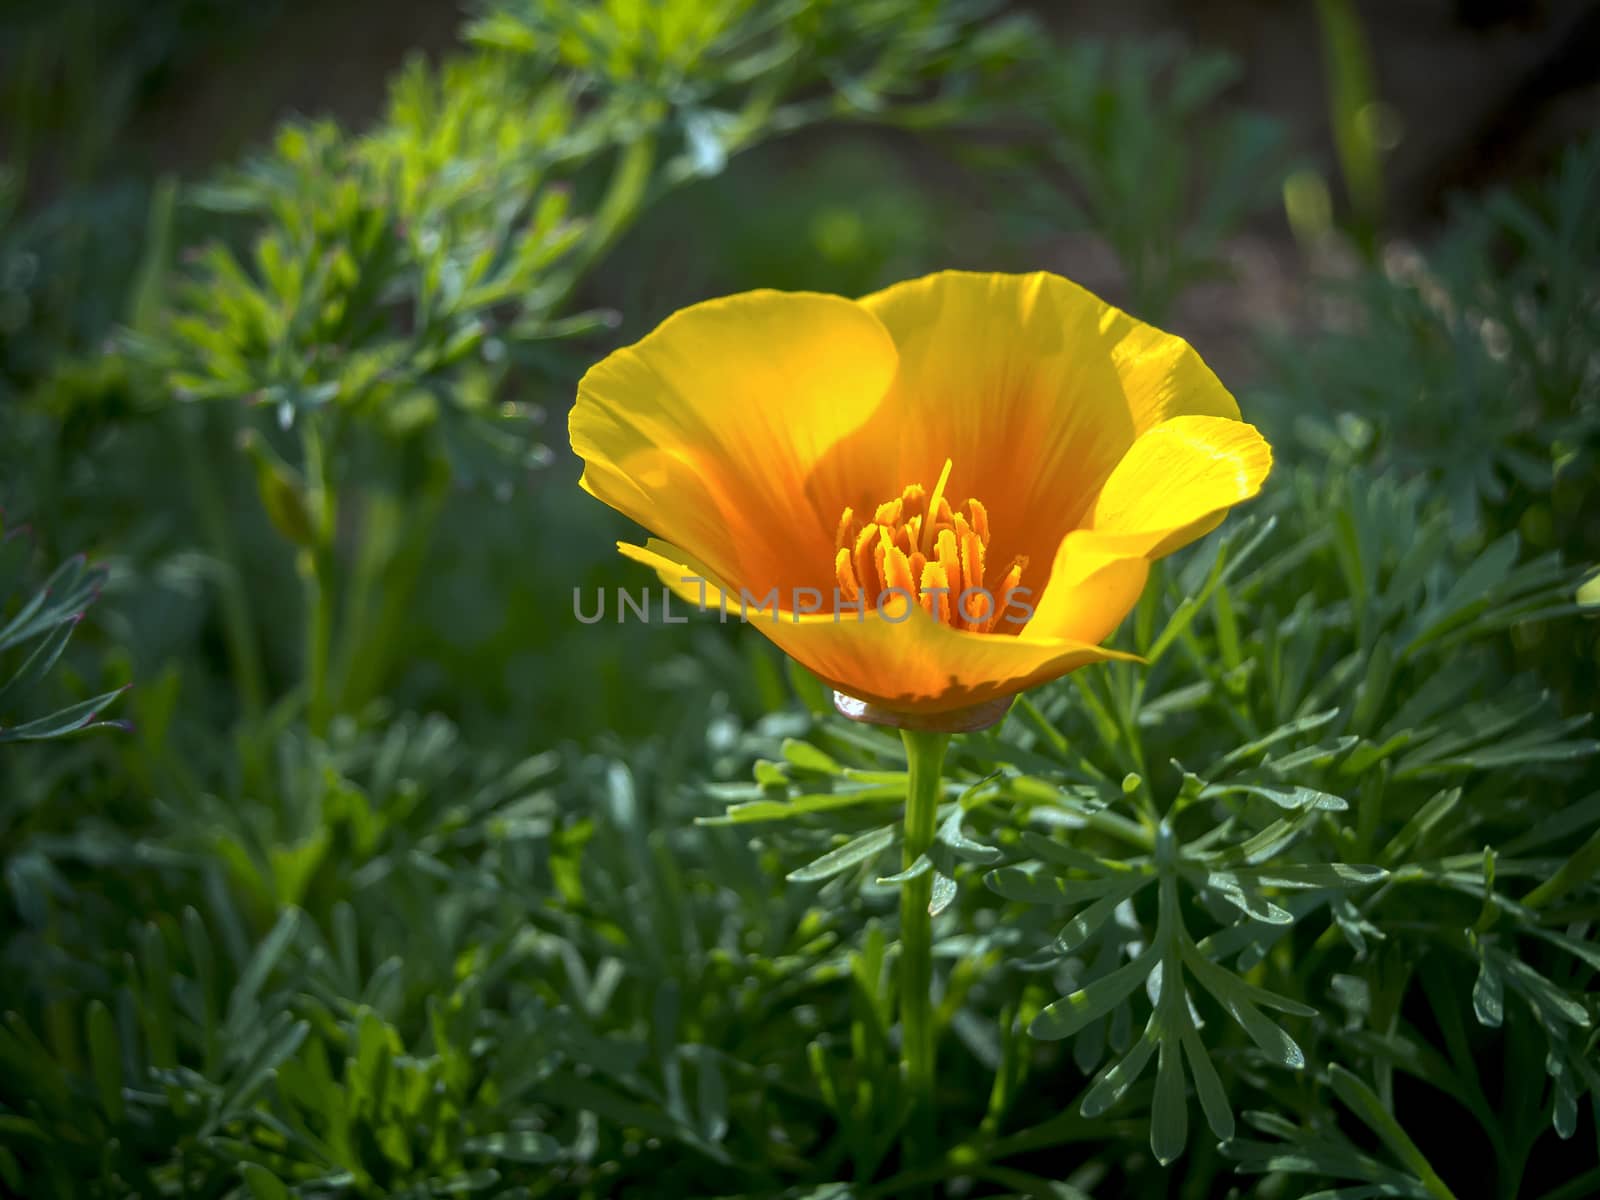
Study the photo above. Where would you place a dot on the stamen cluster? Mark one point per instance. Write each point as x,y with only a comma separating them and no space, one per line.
919,545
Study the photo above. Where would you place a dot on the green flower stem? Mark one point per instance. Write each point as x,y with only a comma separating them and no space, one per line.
925,758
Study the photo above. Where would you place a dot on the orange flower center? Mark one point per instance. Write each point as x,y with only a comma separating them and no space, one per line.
934,555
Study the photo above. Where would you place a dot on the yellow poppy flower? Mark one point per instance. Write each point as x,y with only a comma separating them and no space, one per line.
933,497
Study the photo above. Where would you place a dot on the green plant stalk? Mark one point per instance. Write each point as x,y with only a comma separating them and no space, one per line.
380,598
316,573
382,520
626,193
925,758
319,637
1352,90
238,623
1574,873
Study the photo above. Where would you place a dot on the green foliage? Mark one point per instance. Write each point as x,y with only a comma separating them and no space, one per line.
1355,113
1490,338
373,283
73,77
1280,812
48,264
73,73
35,627
1472,367
850,218
1133,147
410,884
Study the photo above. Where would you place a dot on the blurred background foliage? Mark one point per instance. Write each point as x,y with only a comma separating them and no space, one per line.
391,877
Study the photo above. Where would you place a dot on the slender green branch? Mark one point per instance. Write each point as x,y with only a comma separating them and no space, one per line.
1118,735
1042,726
1027,792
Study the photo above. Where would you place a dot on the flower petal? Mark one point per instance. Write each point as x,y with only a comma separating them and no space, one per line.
1177,483
711,429
922,665
1163,376
1091,587
1034,387
684,575
914,664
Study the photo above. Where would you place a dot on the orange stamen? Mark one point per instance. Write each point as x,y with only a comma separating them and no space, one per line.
844,575
949,557
1012,580
917,543
936,593
897,577
862,558
848,528
976,610
937,506
980,520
